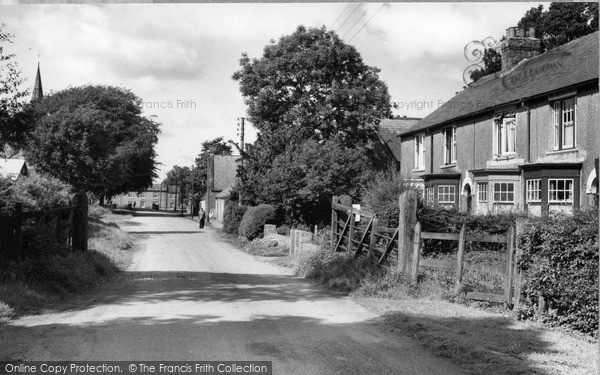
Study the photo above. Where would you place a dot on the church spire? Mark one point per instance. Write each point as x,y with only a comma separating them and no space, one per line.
38,93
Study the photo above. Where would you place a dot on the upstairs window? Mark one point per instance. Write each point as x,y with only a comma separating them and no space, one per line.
419,152
505,134
564,123
450,145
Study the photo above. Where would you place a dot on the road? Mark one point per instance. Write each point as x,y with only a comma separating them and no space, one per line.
191,296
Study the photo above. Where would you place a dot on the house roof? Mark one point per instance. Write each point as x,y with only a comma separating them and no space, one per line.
13,168
390,130
225,193
224,171
566,66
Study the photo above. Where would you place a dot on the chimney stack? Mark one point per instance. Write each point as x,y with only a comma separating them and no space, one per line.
520,44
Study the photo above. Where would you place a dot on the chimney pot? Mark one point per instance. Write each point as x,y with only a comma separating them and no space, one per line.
510,32
517,47
521,32
532,32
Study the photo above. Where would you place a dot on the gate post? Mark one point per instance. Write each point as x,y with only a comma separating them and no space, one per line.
406,225
334,225
80,221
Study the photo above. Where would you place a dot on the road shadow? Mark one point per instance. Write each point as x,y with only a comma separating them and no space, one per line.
296,343
199,231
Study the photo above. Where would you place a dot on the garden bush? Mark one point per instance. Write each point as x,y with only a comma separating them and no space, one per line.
36,192
232,217
254,220
561,262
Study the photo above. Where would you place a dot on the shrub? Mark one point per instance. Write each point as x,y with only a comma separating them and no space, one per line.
232,216
39,192
254,220
382,196
561,259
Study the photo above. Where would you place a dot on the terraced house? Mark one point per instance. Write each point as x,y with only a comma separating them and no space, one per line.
525,138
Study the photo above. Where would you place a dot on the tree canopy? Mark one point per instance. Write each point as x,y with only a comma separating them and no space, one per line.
312,98
14,114
560,24
95,138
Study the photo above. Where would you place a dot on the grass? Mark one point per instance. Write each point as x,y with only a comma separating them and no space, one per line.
34,283
481,337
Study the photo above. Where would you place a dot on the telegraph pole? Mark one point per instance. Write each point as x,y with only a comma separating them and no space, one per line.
240,128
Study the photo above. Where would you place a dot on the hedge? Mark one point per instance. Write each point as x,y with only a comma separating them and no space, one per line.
254,220
561,263
232,216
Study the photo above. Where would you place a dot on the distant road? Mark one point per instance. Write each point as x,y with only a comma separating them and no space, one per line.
190,296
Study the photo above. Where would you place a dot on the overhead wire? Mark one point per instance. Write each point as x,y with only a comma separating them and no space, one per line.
354,24
338,17
347,18
366,23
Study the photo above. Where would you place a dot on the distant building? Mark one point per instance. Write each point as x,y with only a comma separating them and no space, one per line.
13,169
159,196
221,175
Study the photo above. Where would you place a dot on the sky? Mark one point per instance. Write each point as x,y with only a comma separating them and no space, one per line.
179,58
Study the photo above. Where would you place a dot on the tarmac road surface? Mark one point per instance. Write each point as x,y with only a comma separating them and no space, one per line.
191,296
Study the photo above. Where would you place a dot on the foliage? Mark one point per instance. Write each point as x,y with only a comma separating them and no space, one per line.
309,94
13,113
232,217
95,138
382,193
254,220
492,62
561,260
36,192
302,180
562,22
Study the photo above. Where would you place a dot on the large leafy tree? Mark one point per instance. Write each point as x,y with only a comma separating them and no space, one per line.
15,120
560,24
96,139
308,86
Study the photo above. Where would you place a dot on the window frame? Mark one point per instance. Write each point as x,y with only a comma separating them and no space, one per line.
419,162
482,194
563,117
450,145
571,191
504,126
448,193
494,192
530,194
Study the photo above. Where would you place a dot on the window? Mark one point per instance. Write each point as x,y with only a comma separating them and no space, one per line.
429,194
446,194
450,145
154,195
560,191
564,124
419,152
130,194
142,195
504,192
505,134
533,191
482,192
143,204
171,204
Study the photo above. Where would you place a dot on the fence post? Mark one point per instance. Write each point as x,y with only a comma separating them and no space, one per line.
509,266
416,253
461,258
346,200
80,220
350,246
406,225
373,239
334,225
518,253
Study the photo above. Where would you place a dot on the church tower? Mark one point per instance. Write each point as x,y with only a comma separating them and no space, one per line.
38,93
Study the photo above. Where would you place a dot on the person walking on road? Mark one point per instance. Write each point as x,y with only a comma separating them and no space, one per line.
201,218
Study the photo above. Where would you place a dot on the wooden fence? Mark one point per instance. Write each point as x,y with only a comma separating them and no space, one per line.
67,224
349,235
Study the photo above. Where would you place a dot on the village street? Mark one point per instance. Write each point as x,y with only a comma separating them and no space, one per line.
191,296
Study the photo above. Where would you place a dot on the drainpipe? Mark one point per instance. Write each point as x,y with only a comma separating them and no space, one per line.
431,152
528,153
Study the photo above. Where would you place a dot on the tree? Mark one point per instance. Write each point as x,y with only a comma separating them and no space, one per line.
95,138
15,117
560,24
308,86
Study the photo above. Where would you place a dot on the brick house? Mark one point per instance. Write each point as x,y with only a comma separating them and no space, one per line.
525,138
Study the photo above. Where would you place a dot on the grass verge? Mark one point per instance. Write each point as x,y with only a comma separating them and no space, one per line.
32,284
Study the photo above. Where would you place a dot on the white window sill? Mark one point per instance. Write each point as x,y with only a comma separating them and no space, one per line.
563,151
418,170
504,157
446,166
